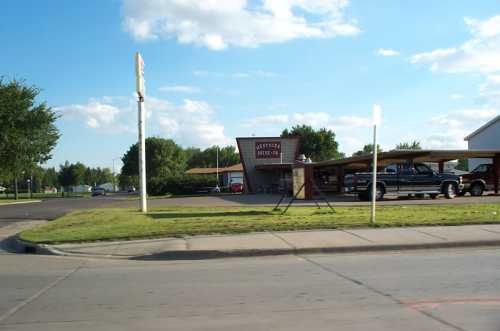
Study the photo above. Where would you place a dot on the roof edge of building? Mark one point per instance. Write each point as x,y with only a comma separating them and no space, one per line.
483,127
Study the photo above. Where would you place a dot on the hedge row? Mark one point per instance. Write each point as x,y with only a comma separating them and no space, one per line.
182,184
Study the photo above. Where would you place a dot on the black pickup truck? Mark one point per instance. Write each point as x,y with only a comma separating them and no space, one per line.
404,179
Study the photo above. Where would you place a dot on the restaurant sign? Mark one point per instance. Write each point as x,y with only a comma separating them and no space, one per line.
267,149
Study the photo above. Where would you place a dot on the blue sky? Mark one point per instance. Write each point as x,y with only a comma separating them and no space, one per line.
218,69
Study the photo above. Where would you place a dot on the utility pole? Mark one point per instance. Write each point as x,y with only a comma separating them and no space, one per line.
376,121
114,175
139,73
217,189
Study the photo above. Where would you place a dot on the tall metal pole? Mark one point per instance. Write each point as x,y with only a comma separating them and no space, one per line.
376,121
142,156
217,170
374,174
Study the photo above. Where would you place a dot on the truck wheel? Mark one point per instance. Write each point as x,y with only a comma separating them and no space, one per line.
450,190
476,190
379,193
433,196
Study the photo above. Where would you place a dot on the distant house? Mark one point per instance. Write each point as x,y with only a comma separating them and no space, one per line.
80,188
486,138
227,175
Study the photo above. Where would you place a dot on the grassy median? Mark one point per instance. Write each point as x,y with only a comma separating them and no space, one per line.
121,224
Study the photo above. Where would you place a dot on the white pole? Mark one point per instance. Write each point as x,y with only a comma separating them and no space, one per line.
217,163
142,156
376,120
374,174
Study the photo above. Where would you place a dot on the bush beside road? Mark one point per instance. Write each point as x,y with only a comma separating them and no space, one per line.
124,224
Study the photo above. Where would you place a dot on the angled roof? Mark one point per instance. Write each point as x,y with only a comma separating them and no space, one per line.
482,128
208,171
430,155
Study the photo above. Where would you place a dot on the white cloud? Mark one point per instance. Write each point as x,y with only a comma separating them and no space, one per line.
479,54
450,129
267,120
218,24
489,92
386,52
456,96
343,126
190,124
180,89
95,114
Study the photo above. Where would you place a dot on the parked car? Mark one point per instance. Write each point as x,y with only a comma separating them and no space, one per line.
236,187
2,189
479,180
98,191
404,179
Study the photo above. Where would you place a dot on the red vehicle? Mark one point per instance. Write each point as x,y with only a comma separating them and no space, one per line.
479,180
236,188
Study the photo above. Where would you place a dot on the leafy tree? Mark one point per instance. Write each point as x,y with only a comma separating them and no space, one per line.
28,132
367,149
319,145
71,175
163,158
463,164
414,145
50,178
208,158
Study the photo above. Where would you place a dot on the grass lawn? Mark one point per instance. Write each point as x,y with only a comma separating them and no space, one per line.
120,224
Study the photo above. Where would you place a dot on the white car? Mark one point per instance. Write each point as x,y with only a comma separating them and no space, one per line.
2,189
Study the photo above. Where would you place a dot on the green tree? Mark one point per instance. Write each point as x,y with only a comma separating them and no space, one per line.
367,149
414,145
463,164
71,175
28,133
163,158
208,158
50,178
319,145
89,177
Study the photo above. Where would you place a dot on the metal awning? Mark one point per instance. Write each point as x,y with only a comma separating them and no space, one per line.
415,155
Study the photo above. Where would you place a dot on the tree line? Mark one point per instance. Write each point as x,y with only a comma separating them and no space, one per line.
39,179
165,160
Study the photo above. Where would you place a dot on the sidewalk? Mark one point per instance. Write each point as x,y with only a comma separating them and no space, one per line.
297,242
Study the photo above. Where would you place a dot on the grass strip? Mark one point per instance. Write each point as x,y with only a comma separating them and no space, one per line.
124,224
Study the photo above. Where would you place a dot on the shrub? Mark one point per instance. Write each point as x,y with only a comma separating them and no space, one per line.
182,184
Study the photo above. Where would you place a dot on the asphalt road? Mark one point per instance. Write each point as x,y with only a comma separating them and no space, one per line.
49,209
424,290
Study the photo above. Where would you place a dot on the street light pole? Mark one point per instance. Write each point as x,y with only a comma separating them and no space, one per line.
376,121
217,170
114,175
140,88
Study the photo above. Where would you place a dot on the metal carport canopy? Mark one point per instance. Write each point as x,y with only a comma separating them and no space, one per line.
429,155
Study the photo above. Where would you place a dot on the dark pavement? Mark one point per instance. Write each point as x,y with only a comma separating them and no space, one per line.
452,290
49,209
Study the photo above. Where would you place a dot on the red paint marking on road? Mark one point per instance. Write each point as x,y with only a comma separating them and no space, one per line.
433,304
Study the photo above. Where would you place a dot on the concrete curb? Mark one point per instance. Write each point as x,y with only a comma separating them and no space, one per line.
18,245
21,246
19,202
